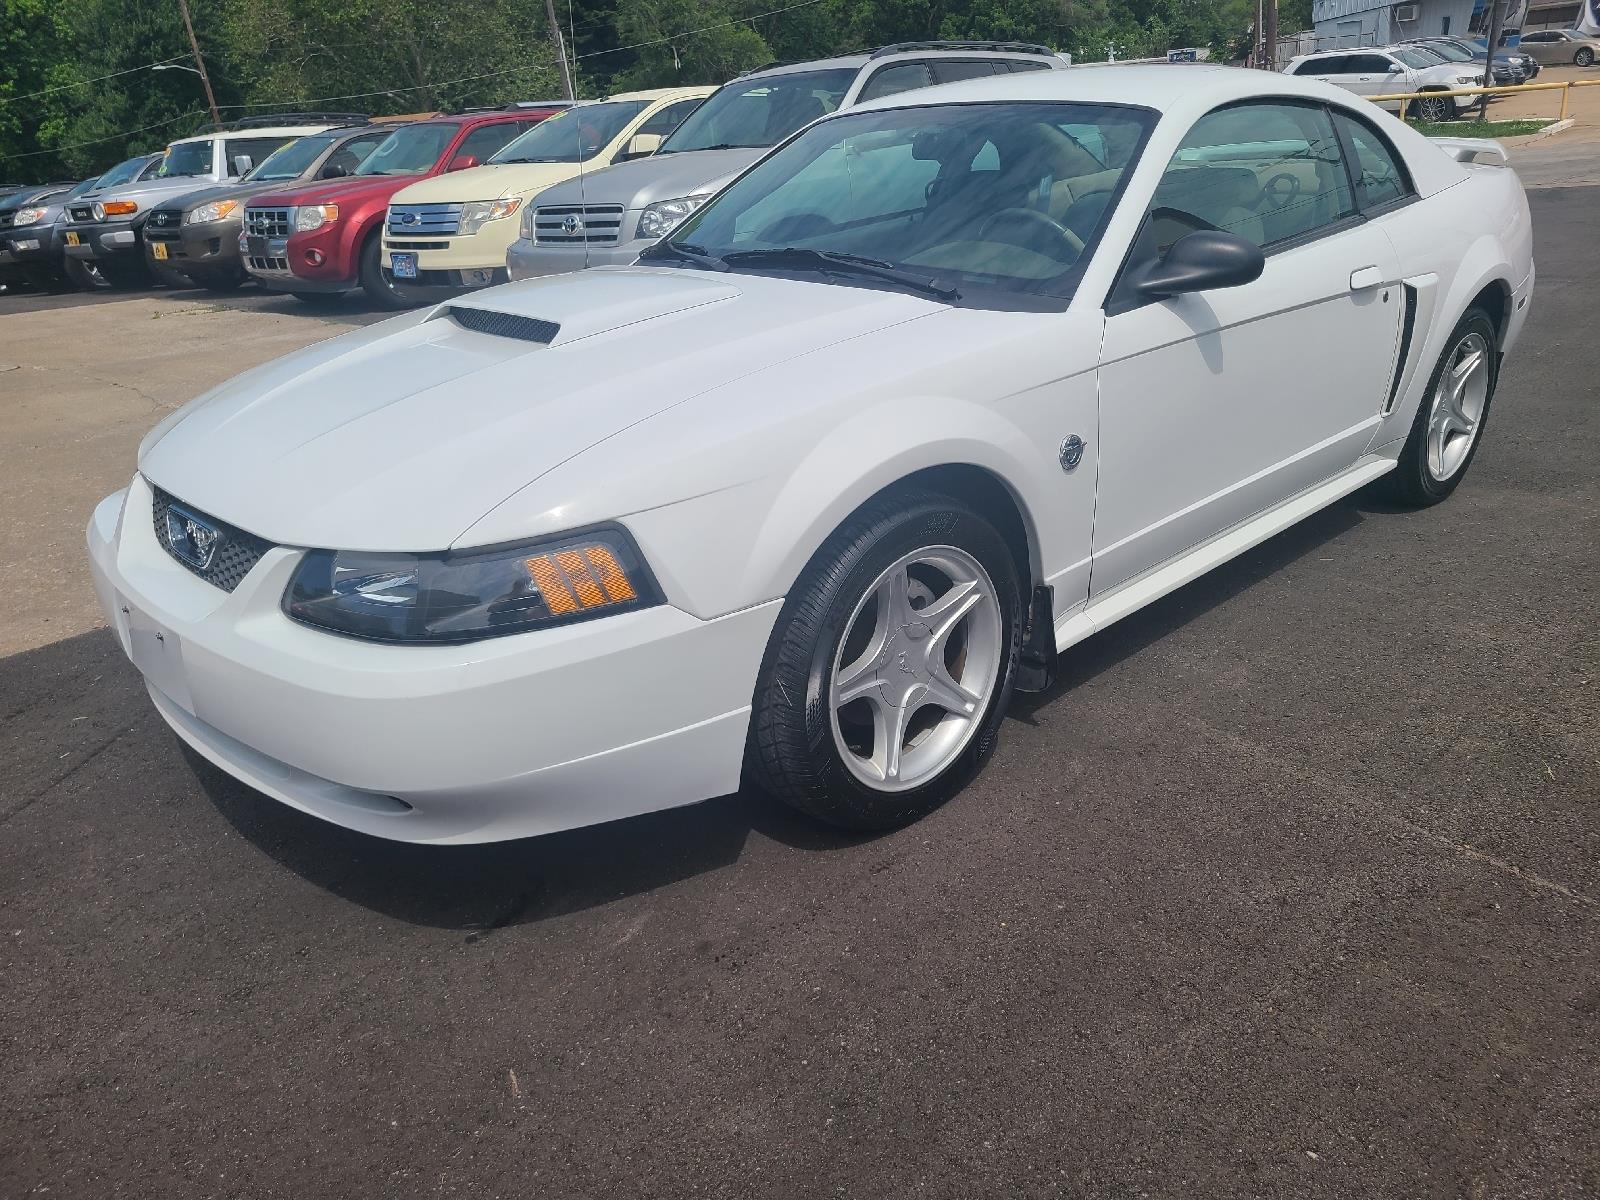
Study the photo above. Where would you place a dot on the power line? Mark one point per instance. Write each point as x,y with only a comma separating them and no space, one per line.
67,87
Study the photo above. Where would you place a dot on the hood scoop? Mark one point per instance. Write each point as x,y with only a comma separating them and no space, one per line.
502,324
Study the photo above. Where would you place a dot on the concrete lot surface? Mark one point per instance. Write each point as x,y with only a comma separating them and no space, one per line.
1291,887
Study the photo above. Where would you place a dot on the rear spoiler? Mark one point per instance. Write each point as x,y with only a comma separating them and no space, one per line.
1474,150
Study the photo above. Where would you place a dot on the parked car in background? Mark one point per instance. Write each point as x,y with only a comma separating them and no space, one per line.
452,232
612,215
1510,66
1390,70
31,245
809,492
1555,47
324,238
26,205
103,229
198,233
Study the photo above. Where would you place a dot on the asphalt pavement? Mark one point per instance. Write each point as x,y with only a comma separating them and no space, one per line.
1290,887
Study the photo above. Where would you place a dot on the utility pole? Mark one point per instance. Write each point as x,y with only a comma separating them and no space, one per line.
1497,10
200,63
1270,8
561,48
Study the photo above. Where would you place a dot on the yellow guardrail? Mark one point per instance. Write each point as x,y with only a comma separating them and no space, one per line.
1565,88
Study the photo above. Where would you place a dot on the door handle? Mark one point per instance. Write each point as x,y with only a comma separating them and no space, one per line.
1363,278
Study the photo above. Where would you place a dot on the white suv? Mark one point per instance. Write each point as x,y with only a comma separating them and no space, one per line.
612,216
1395,69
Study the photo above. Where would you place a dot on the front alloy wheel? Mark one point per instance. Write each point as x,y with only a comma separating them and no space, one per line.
887,676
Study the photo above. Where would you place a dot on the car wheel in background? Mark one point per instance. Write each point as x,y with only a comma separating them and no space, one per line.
890,666
1445,436
82,277
1584,57
218,281
380,289
1433,108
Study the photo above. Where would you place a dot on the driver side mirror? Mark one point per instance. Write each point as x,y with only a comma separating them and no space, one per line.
463,162
1199,262
335,171
640,145
242,164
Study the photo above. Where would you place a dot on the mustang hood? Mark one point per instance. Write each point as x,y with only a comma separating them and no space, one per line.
401,436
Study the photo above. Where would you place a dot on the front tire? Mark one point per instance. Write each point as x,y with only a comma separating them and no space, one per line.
1448,428
1584,57
380,289
890,665
219,281
1433,109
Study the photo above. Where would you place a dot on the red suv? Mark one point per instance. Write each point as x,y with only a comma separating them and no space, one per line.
323,238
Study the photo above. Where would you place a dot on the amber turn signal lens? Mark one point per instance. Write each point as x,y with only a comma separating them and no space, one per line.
581,578
120,208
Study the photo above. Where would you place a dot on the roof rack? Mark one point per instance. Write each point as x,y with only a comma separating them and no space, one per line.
265,120
514,106
1008,47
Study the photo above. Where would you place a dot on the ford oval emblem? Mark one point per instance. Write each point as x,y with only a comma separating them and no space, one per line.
409,218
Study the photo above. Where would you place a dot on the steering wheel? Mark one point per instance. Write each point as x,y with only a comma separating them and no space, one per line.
1031,222
1279,192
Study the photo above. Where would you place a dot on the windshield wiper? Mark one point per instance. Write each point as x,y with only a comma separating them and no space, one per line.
696,256
728,146
842,264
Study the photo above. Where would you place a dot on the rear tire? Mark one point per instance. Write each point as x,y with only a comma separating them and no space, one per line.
380,289
850,671
1448,428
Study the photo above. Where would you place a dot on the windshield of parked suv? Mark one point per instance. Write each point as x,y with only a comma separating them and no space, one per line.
960,201
121,173
291,161
1448,50
85,186
409,151
576,135
186,158
761,111
1413,59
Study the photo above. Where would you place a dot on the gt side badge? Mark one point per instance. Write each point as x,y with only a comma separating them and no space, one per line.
1072,453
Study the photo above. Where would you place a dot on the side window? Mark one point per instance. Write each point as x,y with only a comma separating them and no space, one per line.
486,139
1020,64
669,118
1333,64
898,77
1380,177
1371,64
1269,172
255,149
951,70
350,154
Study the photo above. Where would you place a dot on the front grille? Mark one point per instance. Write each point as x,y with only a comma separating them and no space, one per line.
413,220
81,212
164,218
258,263
528,329
268,222
596,224
394,245
7,219
236,551
161,235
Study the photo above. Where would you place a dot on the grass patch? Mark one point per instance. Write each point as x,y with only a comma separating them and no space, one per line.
1479,129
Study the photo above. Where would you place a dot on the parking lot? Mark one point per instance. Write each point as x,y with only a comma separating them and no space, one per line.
1290,886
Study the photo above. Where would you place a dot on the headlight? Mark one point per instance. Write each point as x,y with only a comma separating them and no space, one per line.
314,216
99,211
468,595
27,216
477,212
116,208
658,220
214,211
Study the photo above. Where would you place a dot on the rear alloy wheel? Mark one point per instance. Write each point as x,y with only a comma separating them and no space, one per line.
1433,109
890,665
1450,420
1584,57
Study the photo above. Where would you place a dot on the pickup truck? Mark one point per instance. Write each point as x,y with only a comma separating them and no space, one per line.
198,233
324,238
450,233
104,228
30,233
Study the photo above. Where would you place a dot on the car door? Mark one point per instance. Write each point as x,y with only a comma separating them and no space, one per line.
1541,47
1376,75
1217,405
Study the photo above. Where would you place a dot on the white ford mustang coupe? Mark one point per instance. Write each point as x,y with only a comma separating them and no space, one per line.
943,385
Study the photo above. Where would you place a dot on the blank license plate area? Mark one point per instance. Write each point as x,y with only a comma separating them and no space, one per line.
158,654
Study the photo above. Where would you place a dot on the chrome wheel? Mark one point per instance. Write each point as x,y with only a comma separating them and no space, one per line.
916,667
1457,405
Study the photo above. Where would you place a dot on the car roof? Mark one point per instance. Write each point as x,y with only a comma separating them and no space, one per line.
654,94
901,50
258,131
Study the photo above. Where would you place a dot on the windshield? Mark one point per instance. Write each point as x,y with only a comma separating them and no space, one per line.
120,173
1415,60
979,198
186,158
409,151
1447,50
85,186
576,135
760,111
291,161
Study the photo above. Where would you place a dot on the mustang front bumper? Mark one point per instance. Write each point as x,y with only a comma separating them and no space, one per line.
504,738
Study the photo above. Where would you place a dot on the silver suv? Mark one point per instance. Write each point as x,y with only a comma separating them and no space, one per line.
612,216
